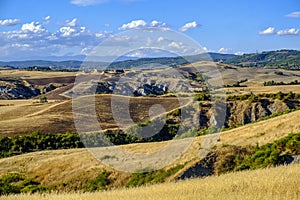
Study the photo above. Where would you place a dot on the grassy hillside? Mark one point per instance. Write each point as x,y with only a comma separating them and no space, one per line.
287,59
271,183
69,170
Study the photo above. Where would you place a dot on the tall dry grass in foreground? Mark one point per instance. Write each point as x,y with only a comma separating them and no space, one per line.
274,183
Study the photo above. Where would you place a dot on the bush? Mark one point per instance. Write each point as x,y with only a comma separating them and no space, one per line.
202,97
270,154
148,176
252,97
43,99
99,183
14,183
235,158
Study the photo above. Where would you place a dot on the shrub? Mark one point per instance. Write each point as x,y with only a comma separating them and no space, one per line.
270,154
100,182
14,183
43,99
148,176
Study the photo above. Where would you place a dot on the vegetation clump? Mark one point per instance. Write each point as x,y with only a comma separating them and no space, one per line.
148,176
273,83
235,158
14,183
257,97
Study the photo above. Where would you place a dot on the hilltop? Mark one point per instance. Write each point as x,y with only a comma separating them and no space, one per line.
286,59
120,63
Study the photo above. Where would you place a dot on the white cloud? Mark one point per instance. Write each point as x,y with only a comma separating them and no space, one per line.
34,40
271,31
34,27
71,23
294,15
133,25
188,26
136,24
72,28
239,53
47,18
87,2
268,31
158,24
224,50
175,45
161,39
9,22
291,31
66,31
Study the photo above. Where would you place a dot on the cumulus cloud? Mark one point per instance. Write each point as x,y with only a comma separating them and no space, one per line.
87,2
268,31
133,25
47,18
160,39
294,15
239,53
224,50
71,23
33,39
136,24
9,22
34,27
158,24
176,45
271,31
188,26
291,31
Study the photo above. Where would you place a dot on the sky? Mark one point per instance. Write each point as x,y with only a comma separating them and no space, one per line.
53,29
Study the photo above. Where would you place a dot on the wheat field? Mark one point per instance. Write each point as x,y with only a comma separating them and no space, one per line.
271,183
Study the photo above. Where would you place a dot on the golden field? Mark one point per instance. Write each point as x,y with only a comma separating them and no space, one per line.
51,167
280,183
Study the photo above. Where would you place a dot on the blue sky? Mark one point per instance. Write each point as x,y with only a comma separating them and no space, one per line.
35,29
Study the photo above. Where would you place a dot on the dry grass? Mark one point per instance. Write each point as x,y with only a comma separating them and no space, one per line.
20,117
263,89
273,183
255,76
22,74
51,167
264,131
57,167
26,116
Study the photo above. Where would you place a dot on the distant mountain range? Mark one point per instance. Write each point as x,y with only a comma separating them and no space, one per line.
289,59
121,63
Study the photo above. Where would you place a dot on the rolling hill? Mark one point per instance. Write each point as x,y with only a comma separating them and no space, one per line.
124,63
287,59
67,169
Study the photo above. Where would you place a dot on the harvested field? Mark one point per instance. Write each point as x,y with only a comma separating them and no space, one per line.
57,116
